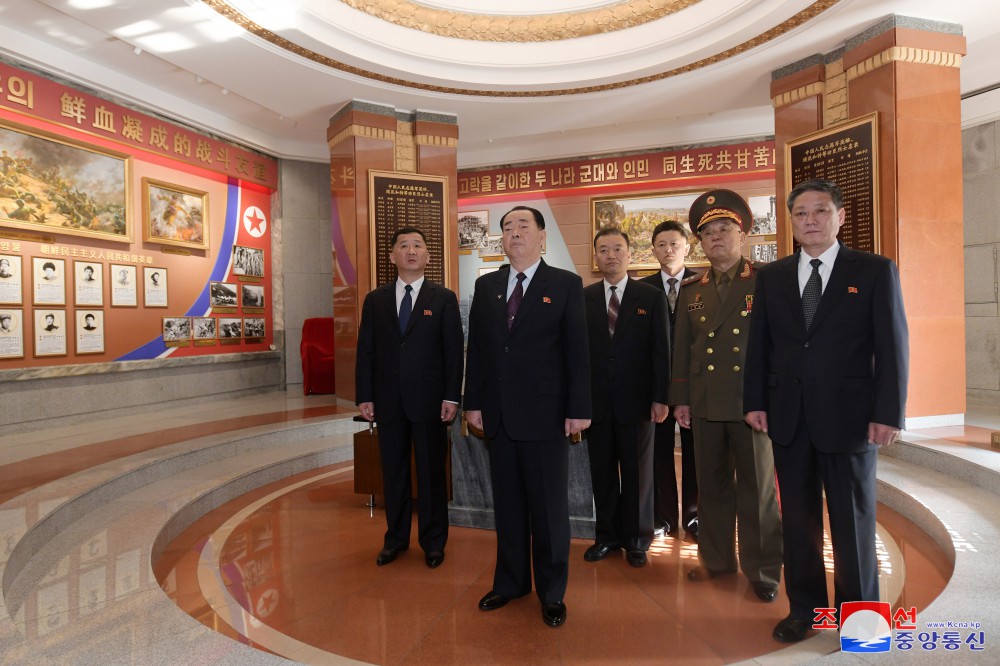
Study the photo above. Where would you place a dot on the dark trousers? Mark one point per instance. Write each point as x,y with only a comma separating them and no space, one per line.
665,477
621,472
849,481
531,506
429,446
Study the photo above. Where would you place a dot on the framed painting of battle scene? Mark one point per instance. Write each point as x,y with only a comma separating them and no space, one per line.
57,185
174,215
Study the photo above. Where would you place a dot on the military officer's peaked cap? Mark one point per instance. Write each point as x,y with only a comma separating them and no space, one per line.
719,205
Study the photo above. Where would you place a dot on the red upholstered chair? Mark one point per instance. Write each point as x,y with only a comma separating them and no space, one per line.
317,356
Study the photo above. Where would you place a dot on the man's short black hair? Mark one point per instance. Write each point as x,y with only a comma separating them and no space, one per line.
48,264
89,268
610,231
89,316
539,218
827,186
407,230
668,225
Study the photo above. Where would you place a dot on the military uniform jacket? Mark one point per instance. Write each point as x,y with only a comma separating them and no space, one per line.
710,345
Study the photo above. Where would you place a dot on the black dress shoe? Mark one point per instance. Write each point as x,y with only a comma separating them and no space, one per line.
691,528
700,574
766,592
387,555
790,630
554,614
663,529
434,558
598,552
492,601
637,558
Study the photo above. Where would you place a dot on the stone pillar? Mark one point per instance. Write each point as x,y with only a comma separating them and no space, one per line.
363,136
908,71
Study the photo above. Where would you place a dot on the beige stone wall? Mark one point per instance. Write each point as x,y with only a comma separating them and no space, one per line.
981,189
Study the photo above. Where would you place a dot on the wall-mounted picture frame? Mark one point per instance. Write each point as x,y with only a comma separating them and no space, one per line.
248,261
89,333
473,227
252,298
223,295
49,332
88,283
11,333
154,287
48,279
638,215
176,329
762,250
253,328
765,215
124,286
486,270
174,215
11,280
230,328
204,328
491,246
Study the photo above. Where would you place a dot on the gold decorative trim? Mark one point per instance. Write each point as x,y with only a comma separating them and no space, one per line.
362,131
432,140
793,96
227,11
510,28
904,54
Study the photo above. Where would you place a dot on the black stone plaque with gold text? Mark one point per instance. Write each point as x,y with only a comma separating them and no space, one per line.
848,155
407,200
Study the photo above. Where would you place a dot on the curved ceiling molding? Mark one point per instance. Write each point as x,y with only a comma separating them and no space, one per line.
538,27
231,13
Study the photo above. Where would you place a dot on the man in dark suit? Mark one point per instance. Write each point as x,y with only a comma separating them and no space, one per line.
409,379
736,491
671,248
527,387
629,380
827,367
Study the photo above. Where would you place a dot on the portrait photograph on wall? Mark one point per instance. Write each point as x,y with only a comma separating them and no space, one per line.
48,277
11,333
89,332
88,283
11,284
223,295
473,227
176,329
124,289
174,215
248,261
50,332
637,216
154,287
57,185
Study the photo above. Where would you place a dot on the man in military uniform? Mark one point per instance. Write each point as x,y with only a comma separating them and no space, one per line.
735,465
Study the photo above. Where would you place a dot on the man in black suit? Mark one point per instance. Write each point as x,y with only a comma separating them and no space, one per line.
409,379
827,367
671,248
629,379
527,387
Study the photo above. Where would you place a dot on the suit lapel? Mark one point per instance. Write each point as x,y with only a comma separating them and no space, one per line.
789,281
626,309
536,287
385,301
836,287
423,298
733,295
598,304
499,295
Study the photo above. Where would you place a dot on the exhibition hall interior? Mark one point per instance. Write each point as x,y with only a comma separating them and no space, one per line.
197,196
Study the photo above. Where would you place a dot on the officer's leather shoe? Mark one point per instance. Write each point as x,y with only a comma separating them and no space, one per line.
766,592
387,555
492,601
700,574
598,552
434,558
790,630
637,558
554,614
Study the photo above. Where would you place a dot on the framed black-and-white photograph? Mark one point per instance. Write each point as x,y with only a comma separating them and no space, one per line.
486,270
204,328
88,283
89,332
252,298
50,332
763,251
154,287
176,329
11,333
124,289
11,283
253,327
223,295
491,246
230,328
473,228
248,261
48,277
765,218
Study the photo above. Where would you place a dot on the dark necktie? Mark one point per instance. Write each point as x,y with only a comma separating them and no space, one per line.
514,302
812,292
672,293
405,308
613,305
723,286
